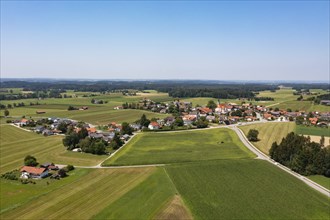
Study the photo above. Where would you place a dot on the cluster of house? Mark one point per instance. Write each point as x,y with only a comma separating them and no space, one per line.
321,119
225,113
37,172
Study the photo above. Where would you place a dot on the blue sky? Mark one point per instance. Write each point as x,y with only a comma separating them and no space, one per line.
220,40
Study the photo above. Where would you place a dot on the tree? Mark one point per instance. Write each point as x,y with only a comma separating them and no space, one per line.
201,123
70,108
211,104
126,129
322,141
71,140
144,121
30,161
6,112
62,127
62,173
253,135
178,121
116,143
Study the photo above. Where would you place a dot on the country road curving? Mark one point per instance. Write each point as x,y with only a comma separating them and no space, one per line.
263,156
242,137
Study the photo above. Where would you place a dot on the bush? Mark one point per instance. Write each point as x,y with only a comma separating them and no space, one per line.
30,161
9,176
69,167
9,121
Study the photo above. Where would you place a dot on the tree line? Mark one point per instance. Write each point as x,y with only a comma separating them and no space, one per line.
302,155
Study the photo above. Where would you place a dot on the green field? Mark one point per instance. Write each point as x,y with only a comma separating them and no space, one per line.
284,99
98,114
83,198
269,133
322,180
16,143
143,201
246,189
178,147
14,194
311,130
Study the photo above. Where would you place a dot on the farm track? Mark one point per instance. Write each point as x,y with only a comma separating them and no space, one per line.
242,137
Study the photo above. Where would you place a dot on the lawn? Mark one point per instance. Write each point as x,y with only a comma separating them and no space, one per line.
84,197
178,147
322,180
269,133
245,189
311,130
16,143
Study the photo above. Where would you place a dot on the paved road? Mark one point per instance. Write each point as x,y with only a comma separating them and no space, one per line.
263,156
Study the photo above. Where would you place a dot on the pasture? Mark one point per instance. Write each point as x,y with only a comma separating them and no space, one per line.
245,189
82,198
16,143
312,130
178,147
269,133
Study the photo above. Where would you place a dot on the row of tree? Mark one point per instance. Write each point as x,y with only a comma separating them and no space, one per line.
302,155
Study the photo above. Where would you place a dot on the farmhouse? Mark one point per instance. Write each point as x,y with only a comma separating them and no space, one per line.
33,172
154,125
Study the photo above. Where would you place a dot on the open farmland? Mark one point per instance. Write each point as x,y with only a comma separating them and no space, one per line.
83,198
284,99
178,147
269,133
144,201
16,143
312,130
245,189
14,194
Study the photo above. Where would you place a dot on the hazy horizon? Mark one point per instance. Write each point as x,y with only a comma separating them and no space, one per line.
104,40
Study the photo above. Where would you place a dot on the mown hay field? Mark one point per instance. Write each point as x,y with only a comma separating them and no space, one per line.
178,147
269,133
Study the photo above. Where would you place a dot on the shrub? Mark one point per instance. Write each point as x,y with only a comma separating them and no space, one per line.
69,167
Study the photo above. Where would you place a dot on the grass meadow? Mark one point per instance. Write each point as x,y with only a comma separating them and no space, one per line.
16,143
245,189
82,198
178,147
269,133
